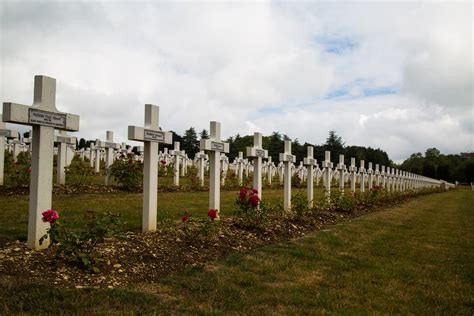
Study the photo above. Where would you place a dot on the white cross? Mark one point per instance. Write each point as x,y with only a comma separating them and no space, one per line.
257,153
63,140
214,145
327,174
287,158
178,155
4,133
342,169
109,146
362,176
310,163
151,135
44,117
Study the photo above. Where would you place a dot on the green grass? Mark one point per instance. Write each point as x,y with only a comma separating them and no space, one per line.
416,258
171,205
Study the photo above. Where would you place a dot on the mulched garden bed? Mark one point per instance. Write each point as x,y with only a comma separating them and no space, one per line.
146,257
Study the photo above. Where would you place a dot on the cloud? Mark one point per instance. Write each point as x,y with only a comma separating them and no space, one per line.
383,75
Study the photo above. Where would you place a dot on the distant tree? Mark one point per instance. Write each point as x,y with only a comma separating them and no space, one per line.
82,143
190,143
26,134
204,134
275,146
335,145
429,169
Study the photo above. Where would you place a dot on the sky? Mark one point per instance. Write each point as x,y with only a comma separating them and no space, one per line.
391,75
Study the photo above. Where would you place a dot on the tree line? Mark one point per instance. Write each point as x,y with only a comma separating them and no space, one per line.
433,164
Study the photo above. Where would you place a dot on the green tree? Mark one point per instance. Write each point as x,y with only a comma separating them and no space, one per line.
204,134
190,143
82,143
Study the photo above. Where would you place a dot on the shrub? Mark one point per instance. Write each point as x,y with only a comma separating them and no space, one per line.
78,171
127,172
251,212
78,244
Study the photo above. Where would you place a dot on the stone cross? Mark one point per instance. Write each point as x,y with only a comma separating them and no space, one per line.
382,174
370,173
258,153
178,154
215,146
362,176
150,135
44,117
224,168
342,170
269,170
377,175
63,140
91,154
327,174
109,146
4,133
287,158
389,179
353,172
310,163
202,158
240,167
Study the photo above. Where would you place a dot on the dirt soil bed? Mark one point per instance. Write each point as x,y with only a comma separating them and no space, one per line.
149,256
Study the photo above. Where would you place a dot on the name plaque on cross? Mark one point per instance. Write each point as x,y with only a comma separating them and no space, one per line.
309,161
41,117
110,145
260,153
154,136
5,133
289,157
62,139
217,146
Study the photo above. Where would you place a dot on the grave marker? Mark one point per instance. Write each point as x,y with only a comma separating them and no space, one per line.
178,154
44,117
8,134
63,140
258,153
327,174
342,169
287,159
214,145
310,162
362,176
151,136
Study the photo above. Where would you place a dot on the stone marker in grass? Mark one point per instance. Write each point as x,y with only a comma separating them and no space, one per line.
45,118
214,146
109,147
150,135
327,174
257,153
310,163
178,155
342,171
8,134
287,159
63,141
362,176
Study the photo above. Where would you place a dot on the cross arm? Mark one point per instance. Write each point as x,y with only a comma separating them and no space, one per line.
27,115
143,134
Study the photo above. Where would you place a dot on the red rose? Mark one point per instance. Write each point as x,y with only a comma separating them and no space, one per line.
212,213
185,218
254,200
254,191
50,216
243,192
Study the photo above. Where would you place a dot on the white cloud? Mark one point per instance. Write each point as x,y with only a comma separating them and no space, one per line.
232,61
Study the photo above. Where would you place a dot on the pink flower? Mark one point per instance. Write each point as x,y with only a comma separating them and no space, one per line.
243,192
28,170
163,162
254,200
50,216
185,218
213,214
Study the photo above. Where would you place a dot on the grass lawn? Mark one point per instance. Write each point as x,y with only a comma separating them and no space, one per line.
171,205
416,258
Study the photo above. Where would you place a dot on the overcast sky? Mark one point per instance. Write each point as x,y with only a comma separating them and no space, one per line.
398,76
